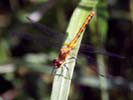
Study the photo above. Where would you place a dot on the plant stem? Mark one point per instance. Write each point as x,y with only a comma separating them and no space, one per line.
61,85
99,33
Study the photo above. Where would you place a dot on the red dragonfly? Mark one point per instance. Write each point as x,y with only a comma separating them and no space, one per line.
65,51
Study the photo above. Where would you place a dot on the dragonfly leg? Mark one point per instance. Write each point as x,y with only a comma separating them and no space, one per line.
65,66
70,60
54,72
61,71
61,74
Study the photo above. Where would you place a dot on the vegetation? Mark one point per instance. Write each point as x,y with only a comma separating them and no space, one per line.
102,69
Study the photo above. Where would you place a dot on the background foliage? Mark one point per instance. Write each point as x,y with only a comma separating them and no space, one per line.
26,53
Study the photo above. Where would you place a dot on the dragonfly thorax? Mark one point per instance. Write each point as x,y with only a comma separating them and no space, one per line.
64,52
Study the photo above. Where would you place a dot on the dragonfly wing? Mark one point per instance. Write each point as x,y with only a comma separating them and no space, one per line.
56,38
115,64
108,54
89,49
92,61
47,30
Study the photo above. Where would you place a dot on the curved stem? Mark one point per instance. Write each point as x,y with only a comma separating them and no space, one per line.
61,85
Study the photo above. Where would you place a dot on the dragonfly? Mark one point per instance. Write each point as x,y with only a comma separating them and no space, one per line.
65,50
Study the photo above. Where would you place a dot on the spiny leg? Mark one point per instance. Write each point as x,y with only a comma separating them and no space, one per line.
61,74
71,60
65,66
54,70
61,71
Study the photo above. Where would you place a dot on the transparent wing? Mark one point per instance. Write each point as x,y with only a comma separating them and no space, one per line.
89,52
88,49
54,39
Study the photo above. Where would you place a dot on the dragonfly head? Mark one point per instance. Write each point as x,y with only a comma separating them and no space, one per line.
57,63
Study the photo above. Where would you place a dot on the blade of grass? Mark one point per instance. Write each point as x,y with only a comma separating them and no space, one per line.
131,10
61,85
99,33
4,53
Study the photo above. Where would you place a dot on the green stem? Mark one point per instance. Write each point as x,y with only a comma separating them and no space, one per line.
99,33
61,85
131,10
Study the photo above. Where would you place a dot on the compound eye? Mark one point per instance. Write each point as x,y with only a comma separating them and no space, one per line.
55,61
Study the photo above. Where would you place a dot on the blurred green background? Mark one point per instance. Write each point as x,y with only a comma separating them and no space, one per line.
26,52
